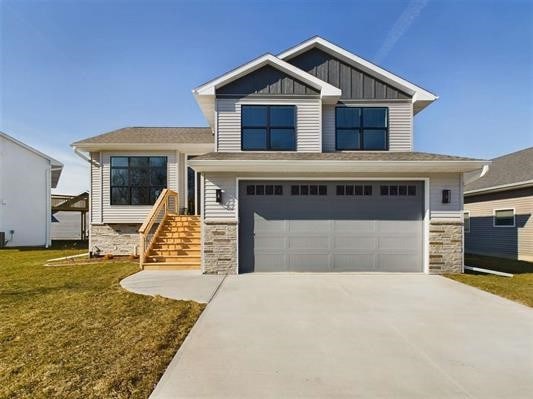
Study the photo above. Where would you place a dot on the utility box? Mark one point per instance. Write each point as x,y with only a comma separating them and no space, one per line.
2,239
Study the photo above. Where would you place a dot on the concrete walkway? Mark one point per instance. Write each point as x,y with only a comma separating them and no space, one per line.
175,284
353,336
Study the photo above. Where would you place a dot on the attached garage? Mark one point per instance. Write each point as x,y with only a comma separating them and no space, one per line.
331,226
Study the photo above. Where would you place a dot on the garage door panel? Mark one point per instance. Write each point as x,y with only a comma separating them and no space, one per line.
306,262
355,243
309,226
348,263
265,242
398,244
396,262
330,232
308,242
351,226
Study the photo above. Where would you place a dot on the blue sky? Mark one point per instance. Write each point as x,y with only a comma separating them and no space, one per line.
73,69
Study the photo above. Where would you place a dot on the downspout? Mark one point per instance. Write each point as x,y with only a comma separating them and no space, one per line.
48,212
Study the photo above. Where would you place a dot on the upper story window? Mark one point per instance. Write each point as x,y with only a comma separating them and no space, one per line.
358,128
504,217
268,128
137,180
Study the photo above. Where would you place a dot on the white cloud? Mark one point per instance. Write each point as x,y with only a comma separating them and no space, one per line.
400,27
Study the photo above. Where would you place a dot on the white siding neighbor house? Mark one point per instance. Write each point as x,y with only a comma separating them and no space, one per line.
307,165
26,179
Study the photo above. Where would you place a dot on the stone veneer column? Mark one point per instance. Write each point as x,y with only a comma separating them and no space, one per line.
219,247
445,247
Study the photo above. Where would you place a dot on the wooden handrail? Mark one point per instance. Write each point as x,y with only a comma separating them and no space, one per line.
162,205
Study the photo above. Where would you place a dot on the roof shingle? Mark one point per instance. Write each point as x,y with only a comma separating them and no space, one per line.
152,135
512,168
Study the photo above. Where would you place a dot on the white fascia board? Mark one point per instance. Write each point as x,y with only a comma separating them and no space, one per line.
502,187
334,166
326,90
53,162
418,93
188,148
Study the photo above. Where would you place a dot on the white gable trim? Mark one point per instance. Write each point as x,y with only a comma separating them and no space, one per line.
418,93
326,90
53,162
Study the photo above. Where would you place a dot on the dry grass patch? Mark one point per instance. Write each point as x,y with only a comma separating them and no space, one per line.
518,288
72,331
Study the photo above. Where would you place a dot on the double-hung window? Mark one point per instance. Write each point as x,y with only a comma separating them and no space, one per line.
361,128
137,180
504,218
268,128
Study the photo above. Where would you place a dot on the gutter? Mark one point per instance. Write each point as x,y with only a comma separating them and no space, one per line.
502,187
335,165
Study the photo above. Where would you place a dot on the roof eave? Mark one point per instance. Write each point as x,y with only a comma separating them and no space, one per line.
500,188
378,166
191,148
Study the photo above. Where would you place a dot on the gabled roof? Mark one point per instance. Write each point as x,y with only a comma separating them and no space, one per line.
149,138
55,166
507,172
205,94
421,97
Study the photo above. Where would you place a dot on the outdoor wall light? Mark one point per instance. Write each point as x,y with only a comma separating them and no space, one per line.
218,195
446,196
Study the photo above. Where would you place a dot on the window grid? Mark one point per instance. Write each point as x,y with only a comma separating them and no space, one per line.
131,193
264,189
397,190
361,130
356,190
268,128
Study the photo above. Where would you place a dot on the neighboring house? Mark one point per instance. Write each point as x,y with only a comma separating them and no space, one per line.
498,208
69,216
307,165
26,179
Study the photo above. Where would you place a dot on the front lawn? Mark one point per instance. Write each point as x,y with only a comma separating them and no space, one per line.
72,331
518,288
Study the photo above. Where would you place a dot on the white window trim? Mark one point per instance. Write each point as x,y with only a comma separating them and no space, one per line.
469,222
503,209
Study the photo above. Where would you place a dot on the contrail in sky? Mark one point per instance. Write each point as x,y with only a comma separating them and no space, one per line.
402,24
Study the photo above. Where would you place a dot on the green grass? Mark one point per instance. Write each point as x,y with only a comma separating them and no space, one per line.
72,331
518,288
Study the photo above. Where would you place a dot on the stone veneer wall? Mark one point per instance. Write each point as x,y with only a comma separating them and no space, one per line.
445,247
114,239
219,247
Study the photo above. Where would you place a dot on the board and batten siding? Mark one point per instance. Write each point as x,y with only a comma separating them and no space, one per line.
308,121
514,242
400,124
227,182
101,209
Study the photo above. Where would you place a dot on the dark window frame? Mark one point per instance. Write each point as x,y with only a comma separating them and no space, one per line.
268,127
129,186
361,129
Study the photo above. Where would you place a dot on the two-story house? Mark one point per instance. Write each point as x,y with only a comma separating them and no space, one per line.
307,165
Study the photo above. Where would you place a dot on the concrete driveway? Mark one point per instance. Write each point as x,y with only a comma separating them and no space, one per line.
354,336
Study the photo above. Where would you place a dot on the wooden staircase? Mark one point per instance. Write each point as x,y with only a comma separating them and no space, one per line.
169,241
176,245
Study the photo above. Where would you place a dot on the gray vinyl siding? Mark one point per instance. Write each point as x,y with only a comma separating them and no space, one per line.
354,83
95,204
227,183
267,81
101,209
446,181
514,242
308,122
400,124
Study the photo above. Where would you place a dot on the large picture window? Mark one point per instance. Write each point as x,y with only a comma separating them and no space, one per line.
360,128
268,128
137,180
